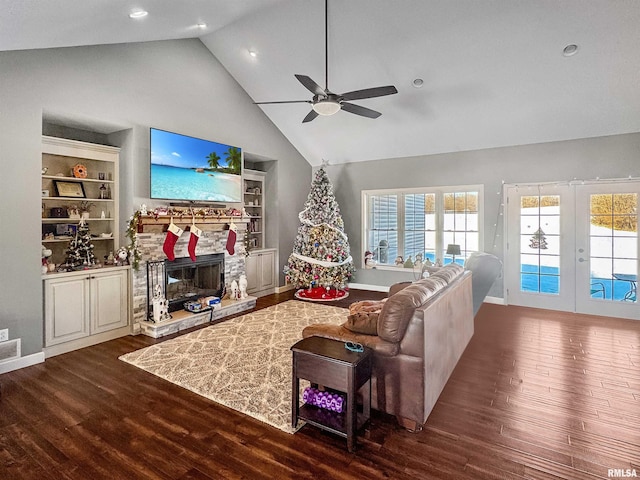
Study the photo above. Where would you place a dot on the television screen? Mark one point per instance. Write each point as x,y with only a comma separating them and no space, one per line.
192,169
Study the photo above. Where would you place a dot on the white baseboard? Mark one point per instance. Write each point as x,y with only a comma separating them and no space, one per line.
364,286
22,362
494,300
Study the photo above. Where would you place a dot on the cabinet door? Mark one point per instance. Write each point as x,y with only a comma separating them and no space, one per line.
251,266
267,275
66,310
109,301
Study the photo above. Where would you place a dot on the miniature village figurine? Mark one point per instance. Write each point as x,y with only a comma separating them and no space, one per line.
160,306
242,285
369,262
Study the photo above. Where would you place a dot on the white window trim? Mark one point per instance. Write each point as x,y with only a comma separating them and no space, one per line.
441,190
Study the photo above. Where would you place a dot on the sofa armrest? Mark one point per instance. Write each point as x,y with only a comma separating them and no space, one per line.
338,332
396,287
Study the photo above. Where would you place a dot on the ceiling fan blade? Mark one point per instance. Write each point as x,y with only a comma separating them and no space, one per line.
310,85
310,116
283,101
358,110
369,93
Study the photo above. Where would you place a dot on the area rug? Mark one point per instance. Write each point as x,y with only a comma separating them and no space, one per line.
243,363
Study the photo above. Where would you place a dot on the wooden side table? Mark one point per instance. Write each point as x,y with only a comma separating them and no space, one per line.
327,362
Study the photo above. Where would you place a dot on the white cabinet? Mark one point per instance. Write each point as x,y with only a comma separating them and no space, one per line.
261,272
109,292
254,206
84,308
66,309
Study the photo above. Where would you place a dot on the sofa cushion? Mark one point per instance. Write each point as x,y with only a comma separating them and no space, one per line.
399,308
449,272
363,322
432,283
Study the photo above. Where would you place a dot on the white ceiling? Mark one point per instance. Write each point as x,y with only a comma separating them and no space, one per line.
493,70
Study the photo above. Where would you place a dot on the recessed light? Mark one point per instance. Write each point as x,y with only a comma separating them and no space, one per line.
138,14
253,53
418,82
570,50
201,25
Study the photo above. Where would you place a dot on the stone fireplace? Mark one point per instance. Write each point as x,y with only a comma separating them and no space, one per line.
212,242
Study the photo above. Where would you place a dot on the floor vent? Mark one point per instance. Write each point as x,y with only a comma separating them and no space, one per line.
9,350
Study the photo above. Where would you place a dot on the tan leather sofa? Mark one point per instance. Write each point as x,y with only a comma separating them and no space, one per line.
422,330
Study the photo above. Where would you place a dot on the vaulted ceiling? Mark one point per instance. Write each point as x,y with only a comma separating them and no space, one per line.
493,71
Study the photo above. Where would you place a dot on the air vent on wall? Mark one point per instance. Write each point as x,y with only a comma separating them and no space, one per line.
9,350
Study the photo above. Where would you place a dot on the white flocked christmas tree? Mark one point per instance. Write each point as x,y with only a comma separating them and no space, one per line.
80,250
321,264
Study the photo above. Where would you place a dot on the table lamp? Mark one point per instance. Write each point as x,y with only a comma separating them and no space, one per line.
453,249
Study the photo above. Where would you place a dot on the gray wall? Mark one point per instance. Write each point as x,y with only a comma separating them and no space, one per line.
604,157
124,89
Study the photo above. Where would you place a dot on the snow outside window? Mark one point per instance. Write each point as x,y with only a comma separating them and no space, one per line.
421,222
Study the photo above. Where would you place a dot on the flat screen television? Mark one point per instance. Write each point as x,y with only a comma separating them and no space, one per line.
191,169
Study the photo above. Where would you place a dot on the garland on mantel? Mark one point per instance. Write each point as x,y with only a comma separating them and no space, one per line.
132,235
180,213
202,212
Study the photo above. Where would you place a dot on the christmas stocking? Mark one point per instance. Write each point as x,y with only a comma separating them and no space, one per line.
231,239
193,240
173,233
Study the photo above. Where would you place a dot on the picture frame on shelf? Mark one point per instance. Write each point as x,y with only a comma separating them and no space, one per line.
69,189
68,229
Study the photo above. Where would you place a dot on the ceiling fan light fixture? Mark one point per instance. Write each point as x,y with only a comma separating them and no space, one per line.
138,13
326,107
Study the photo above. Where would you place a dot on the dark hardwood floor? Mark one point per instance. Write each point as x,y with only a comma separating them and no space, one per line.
537,394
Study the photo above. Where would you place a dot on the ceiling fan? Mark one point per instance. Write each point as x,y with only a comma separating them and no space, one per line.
324,101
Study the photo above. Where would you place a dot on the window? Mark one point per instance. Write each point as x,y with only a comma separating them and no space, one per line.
409,222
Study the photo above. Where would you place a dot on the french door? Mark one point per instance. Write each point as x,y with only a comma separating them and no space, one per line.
573,247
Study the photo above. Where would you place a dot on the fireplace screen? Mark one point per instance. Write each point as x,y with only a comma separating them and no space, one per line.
186,280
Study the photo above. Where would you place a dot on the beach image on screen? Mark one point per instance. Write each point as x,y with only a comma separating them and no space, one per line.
189,168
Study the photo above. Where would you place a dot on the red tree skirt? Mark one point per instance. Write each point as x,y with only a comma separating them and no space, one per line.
321,294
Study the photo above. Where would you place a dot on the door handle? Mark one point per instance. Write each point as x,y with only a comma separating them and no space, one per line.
581,260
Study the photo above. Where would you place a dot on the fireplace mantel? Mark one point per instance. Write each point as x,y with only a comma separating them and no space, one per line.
160,223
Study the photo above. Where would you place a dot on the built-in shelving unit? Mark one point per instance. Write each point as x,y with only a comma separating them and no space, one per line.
261,262
82,307
63,193
254,206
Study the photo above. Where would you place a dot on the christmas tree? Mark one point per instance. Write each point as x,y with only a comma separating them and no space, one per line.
320,264
538,240
80,250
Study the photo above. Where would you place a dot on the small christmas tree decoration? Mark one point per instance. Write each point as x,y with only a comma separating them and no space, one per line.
538,240
321,264
80,249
